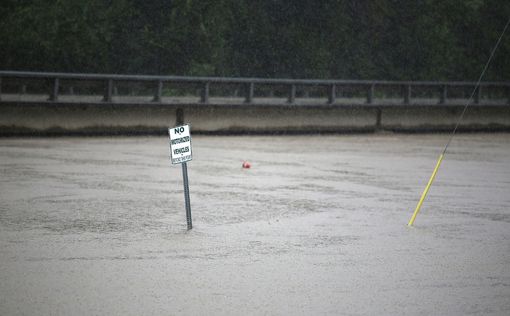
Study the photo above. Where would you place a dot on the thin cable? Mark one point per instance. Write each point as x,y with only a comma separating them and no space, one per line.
476,87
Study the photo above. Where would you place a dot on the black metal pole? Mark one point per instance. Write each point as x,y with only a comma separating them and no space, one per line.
186,194
292,94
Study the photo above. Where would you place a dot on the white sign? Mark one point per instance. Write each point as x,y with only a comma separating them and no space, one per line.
180,144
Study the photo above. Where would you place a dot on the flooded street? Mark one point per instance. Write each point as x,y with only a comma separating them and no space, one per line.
317,226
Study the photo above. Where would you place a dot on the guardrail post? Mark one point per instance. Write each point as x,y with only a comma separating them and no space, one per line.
54,91
332,94
109,91
444,95
478,94
249,93
407,94
292,94
159,90
370,94
204,98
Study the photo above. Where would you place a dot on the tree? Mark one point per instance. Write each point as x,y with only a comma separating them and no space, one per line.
347,39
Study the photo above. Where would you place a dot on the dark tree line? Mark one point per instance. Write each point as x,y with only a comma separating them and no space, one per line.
345,39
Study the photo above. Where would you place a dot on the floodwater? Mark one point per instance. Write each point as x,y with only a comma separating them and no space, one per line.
317,226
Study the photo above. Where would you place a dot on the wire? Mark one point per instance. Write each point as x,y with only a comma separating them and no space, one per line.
476,87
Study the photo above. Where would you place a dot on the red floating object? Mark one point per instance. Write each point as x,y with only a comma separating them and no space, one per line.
246,165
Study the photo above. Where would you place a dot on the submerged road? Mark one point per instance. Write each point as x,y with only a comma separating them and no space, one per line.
317,226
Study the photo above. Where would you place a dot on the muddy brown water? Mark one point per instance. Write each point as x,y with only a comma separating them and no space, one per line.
317,226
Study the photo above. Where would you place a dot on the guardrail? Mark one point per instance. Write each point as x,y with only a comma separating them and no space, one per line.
331,88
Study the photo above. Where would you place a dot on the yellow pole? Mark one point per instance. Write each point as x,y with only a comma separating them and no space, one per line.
424,194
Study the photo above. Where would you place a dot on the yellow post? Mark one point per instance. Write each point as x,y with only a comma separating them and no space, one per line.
424,194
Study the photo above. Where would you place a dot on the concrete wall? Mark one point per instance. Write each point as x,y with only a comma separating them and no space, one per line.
443,118
292,119
18,118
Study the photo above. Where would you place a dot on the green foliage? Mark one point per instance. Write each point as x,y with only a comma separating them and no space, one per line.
346,39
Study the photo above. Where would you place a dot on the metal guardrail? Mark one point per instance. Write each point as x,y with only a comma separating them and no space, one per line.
369,86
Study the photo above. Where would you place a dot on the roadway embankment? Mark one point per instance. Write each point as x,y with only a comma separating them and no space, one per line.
100,118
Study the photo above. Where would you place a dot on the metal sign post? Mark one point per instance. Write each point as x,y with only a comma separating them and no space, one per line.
186,195
180,153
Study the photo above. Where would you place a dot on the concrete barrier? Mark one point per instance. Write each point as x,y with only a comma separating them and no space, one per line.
440,118
58,118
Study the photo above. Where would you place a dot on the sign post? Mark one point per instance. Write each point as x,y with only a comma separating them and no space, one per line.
180,153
